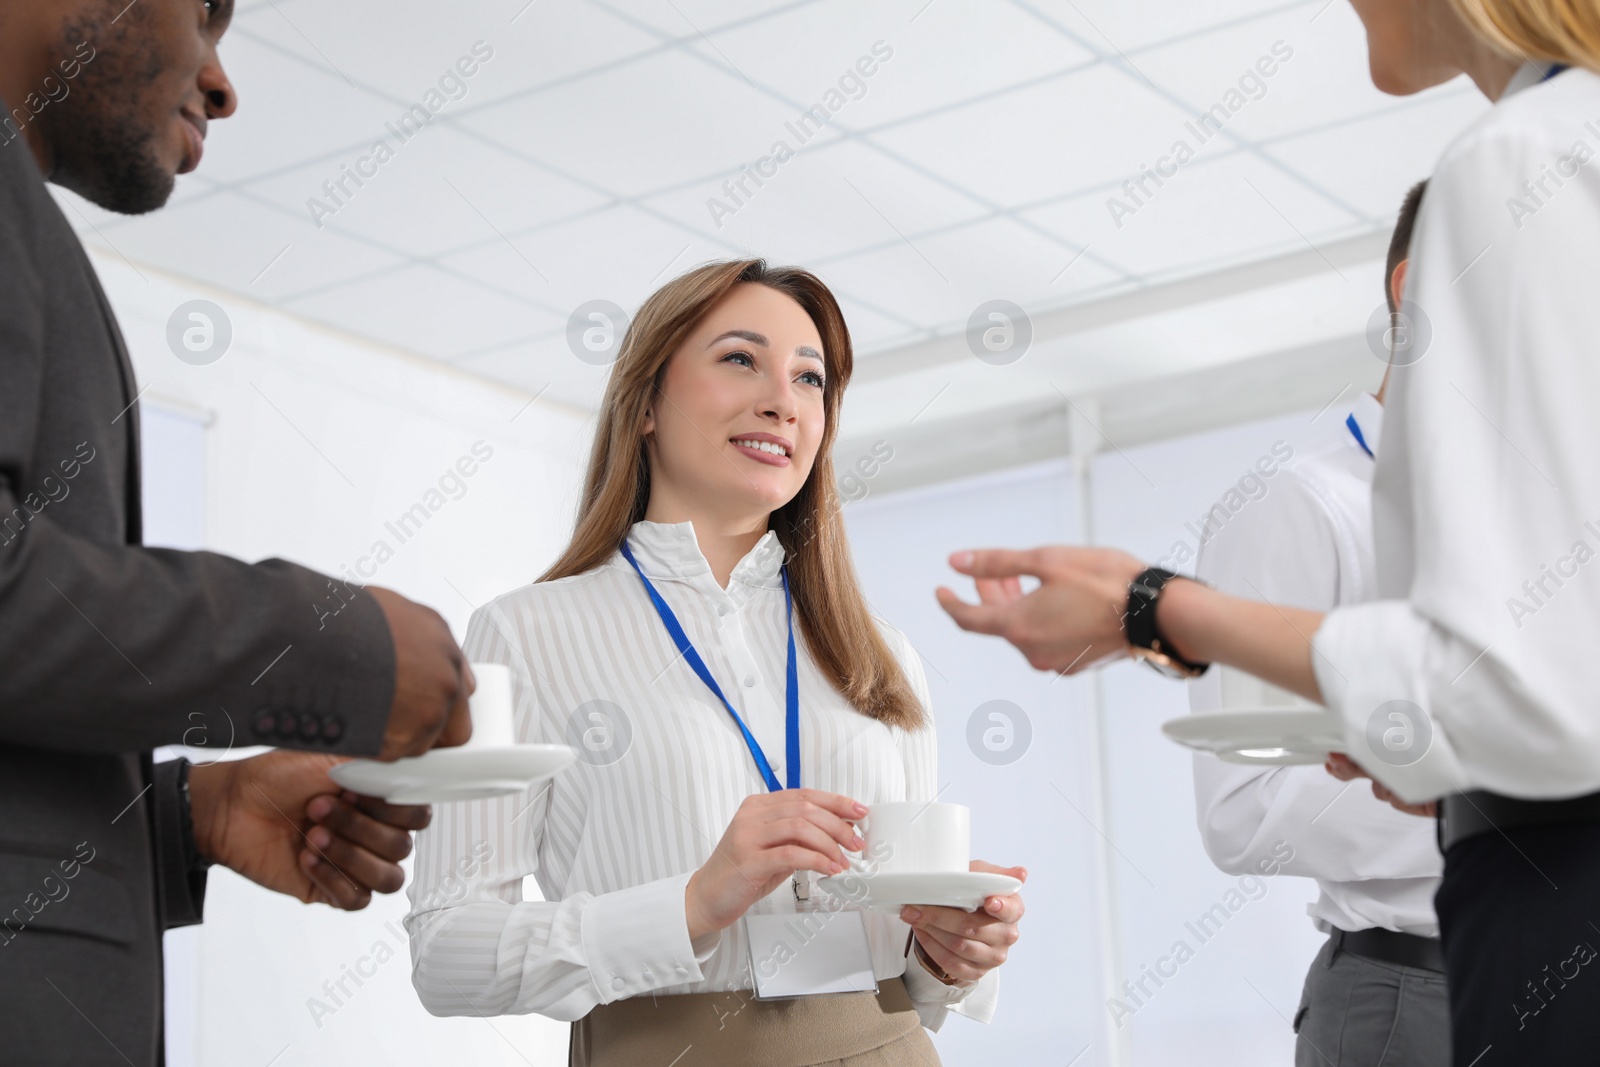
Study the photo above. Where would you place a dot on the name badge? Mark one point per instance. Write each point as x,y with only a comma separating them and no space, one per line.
803,948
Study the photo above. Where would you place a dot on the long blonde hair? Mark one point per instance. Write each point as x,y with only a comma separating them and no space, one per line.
1563,31
838,629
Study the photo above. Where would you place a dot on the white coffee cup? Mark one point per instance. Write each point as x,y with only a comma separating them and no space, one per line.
490,705
916,837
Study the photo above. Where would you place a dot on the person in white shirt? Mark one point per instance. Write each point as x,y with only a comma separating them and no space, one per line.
709,486
1377,987
1471,680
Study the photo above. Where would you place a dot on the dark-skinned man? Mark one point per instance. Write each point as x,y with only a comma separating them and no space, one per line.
109,649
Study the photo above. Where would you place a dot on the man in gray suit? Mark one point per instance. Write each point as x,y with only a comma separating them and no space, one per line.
109,649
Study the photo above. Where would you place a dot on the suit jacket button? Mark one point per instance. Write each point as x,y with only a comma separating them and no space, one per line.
286,724
332,728
266,723
310,726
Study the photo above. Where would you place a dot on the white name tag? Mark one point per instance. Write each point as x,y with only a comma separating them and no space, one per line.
801,950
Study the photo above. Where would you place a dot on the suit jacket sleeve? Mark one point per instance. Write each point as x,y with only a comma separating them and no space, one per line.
118,647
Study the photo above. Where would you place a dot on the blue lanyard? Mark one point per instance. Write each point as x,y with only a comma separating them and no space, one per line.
1355,428
1553,71
791,699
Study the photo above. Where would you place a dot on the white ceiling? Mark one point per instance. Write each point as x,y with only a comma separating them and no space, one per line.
977,165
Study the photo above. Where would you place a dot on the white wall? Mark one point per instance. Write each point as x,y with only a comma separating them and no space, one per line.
311,442
1022,812
1228,1005
174,447
1231,1004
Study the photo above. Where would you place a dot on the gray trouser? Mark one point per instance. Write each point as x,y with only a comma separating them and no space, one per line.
1356,1012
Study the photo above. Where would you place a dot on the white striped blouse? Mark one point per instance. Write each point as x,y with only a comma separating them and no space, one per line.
613,840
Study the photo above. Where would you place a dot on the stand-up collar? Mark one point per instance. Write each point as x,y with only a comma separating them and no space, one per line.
670,550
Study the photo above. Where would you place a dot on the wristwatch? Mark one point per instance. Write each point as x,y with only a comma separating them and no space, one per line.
1140,623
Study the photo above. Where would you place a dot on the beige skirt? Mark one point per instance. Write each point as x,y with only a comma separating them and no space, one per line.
736,1030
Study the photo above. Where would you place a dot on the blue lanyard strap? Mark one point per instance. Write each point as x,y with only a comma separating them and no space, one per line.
1355,429
1553,71
792,681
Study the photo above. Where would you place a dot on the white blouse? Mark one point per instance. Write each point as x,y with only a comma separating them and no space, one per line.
613,840
1486,494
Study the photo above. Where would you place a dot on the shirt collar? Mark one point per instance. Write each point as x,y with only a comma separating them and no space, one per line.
1530,73
1368,415
670,550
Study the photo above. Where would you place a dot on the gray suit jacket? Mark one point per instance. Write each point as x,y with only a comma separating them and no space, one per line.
108,649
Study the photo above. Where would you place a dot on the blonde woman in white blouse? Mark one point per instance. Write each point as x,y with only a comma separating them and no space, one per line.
1471,680
711,463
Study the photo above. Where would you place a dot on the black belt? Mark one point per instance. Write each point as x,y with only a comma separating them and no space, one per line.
1390,946
1477,811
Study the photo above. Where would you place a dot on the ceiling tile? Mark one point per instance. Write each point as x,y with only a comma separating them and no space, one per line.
620,254
425,310
871,330
523,45
822,202
288,113
1207,214
691,18
937,54
231,242
1044,141
1373,162
938,281
579,160
1112,26
1319,73
662,121
440,190
87,217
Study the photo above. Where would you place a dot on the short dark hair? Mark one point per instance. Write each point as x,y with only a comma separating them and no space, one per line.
1400,243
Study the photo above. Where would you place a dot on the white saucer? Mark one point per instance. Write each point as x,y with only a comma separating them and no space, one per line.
447,774
1269,737
891,892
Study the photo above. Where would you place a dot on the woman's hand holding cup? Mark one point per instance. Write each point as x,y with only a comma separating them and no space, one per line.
772,835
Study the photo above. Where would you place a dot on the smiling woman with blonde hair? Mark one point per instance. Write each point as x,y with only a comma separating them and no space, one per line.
1471,679
709,526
